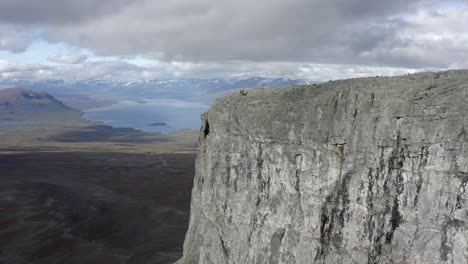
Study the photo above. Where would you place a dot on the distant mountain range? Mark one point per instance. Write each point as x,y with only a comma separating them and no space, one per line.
179,102
185,89
27,107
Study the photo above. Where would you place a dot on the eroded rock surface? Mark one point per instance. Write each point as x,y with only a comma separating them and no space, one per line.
370,170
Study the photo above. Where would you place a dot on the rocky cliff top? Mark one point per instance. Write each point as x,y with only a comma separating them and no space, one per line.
369,170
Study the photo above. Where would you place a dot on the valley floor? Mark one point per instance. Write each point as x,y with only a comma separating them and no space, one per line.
73,196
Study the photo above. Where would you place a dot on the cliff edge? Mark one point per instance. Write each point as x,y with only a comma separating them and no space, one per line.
370,170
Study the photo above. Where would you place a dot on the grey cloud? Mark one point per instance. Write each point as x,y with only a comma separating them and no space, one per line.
201,32
17,67
10,70
335,31
88,70
67,58
104,70
42,12
13,44
11,41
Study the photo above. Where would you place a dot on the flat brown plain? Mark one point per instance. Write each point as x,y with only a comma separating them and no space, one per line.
94,195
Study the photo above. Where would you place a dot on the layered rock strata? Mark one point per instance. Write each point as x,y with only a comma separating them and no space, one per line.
370,170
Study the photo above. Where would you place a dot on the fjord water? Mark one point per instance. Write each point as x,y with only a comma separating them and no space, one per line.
150,115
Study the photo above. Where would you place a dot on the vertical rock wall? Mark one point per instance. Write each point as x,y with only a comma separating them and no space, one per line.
368,170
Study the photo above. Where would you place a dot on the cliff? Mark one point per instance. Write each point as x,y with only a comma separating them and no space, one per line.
370,170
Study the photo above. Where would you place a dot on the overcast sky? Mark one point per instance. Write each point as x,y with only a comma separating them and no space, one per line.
311,39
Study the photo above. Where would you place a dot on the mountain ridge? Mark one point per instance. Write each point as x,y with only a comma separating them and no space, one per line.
29,107
19,95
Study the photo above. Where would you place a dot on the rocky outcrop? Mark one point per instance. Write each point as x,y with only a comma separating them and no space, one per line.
371,170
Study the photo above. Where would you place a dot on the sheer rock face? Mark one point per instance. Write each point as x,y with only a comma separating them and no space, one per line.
368,170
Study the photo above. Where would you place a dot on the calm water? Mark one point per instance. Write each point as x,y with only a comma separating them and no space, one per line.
176,114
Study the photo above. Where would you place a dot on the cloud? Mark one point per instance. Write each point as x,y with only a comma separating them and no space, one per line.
242,37
204,30
125,71
365,32
67,58
43,12
13,44
11,70
101,70
12,40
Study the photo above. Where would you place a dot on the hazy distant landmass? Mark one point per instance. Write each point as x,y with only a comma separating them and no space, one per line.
137,104
17,101
192,89
21,107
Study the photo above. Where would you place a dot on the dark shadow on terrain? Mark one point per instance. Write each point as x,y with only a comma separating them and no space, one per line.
93,207
102,133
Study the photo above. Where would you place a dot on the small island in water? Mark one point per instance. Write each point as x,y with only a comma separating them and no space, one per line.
162,124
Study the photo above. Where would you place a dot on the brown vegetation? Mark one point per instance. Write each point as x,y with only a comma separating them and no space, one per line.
94,195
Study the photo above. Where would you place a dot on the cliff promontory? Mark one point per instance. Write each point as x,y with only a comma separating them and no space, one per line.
370,170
